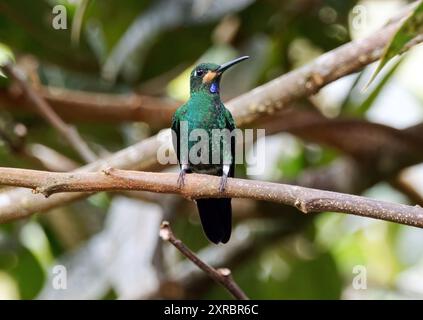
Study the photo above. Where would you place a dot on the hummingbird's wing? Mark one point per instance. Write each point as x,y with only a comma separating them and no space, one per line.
230,124
176,134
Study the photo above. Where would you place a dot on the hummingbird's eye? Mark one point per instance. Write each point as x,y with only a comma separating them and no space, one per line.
199,73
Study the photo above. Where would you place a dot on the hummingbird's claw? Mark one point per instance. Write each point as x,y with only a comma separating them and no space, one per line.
223,181
181,179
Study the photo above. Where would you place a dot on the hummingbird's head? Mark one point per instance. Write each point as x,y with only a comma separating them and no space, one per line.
206,76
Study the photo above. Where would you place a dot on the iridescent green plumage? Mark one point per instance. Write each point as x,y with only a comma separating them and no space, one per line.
205,110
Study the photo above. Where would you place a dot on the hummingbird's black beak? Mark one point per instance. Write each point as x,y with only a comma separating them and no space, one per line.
229,64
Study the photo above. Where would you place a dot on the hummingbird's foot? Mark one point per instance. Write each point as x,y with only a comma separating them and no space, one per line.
181,178
222,184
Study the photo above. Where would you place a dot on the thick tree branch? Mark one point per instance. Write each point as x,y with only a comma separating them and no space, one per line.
94,106
309,79
18,202
44,109
222,276
265,99
203,186
74,105
21,202
77,105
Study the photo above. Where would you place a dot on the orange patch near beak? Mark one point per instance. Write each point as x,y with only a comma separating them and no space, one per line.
209,77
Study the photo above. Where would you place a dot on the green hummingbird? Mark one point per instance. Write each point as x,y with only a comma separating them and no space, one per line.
205,110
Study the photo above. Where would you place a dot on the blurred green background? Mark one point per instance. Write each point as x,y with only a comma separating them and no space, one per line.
109,243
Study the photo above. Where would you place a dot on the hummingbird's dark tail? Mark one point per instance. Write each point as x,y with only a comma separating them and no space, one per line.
216,218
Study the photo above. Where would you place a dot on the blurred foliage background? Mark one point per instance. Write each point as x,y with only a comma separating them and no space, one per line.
109,242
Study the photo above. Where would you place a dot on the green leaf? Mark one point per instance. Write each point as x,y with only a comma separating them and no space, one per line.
28,274
365,106
359,110
78,19
411,27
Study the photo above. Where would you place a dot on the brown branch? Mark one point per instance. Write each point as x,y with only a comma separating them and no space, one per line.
265,99
95,106
18,202
75,105
191,283
304,199
408,190
45,110
351,136
409,183
222,276
309,79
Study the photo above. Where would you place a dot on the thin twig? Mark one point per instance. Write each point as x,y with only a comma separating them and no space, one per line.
306,200
222,275
189,280
68,132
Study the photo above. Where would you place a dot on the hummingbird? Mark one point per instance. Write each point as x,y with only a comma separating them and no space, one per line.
205,110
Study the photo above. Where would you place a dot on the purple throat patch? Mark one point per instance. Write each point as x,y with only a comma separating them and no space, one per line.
214,88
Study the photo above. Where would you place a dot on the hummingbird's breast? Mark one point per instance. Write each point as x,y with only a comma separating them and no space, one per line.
205,112
205,118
